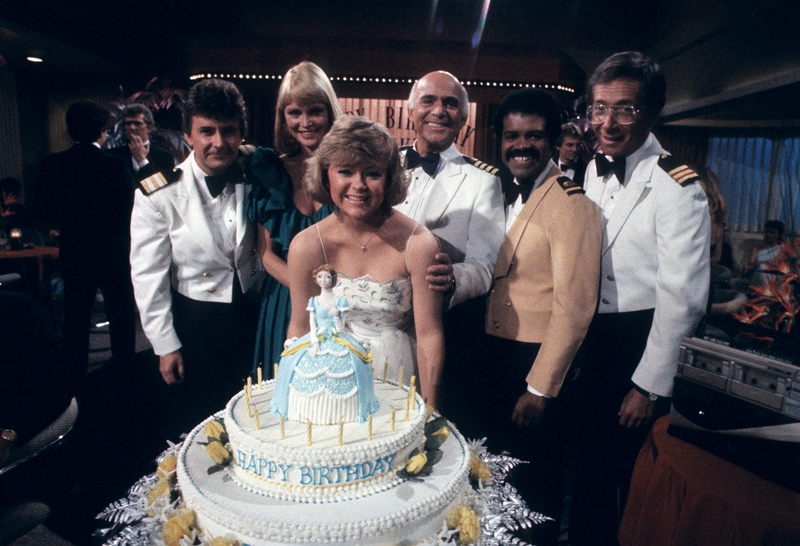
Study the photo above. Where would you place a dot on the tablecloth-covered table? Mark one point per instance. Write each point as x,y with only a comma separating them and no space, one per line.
683,496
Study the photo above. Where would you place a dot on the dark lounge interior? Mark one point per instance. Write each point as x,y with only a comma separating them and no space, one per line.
732,69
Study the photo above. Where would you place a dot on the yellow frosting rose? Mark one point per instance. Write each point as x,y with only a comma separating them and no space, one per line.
218,453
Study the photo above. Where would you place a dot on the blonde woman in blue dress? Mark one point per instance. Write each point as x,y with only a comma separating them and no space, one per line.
379,254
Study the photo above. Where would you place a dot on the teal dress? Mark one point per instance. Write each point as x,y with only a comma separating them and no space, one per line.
335,384
271,205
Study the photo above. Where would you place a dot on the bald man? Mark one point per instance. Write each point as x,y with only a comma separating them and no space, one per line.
460,200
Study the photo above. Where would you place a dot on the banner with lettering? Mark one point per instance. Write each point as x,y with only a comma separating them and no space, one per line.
393,114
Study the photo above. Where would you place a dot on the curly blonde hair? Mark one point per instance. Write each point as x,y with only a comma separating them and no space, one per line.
303,83
356,141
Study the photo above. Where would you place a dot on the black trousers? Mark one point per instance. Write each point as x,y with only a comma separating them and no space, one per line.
83,275
540,480
605,450
217,341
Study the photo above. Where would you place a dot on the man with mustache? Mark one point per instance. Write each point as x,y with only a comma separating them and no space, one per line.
144,156
653,288
193,259
459,199
543,297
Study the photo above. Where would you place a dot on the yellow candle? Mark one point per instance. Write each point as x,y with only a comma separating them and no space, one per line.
308,433
249,383
400,377
247,405
258,423
413,380
385,369
341,433
260,376
409,400
369,428
275,370
391,426
283,432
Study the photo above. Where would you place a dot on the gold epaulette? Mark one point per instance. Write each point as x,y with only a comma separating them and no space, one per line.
159,180
246,150
680,173
570,187
481,165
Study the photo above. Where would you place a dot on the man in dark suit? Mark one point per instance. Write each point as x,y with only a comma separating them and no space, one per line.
144,157
543,296
88,194
569,158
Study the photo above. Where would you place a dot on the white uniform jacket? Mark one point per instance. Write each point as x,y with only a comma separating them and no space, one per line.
172,245
465,211
656,247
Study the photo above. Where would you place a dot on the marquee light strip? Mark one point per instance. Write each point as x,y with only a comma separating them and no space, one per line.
377,79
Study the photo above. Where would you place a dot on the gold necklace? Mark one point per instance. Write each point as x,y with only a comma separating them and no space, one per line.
353,235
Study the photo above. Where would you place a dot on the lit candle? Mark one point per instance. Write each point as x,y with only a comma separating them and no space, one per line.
385,369
391,425
369,428
260,376
341,433
283,432
258,423
308,433
400,377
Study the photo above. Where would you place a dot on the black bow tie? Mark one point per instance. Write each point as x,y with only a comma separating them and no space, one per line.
605,166
511,190
217,183
428,163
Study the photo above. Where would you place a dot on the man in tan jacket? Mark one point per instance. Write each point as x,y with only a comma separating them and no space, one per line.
543,296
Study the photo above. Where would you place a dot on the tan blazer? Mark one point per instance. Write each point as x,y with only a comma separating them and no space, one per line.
546,278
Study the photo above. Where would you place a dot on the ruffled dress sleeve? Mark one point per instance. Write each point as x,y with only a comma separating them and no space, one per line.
271,195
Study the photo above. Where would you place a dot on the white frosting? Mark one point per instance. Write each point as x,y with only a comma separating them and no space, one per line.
290,469
401,515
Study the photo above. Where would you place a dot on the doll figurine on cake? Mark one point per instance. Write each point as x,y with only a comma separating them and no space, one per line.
325,376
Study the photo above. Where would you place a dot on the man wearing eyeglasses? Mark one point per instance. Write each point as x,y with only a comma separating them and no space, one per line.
653,288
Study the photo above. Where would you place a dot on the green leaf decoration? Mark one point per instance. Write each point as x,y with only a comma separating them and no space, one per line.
434,425
434,442
223,439
434,456
215,468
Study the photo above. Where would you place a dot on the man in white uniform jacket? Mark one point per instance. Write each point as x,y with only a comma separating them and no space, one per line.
653,287
193,257
460,200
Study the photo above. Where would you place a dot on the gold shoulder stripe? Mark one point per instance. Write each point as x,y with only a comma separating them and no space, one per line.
246,150
481,165
159,180
680,173
569,187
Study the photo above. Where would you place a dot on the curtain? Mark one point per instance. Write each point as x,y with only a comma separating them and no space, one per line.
759,178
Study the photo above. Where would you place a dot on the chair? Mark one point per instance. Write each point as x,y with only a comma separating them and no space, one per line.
21,517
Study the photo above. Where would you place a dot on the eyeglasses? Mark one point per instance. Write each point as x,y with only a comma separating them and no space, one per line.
625,115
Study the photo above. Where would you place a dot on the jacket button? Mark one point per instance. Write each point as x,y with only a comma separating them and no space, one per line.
253,272
610,278
212,289
206,274
604,301
508,303
496,325
230,270
492,290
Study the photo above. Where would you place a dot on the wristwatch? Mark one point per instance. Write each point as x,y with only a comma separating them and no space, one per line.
649,395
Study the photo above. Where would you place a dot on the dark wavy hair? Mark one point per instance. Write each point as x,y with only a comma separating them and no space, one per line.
530,102
86,121
217,100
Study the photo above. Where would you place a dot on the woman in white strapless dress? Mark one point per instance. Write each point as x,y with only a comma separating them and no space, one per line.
380,255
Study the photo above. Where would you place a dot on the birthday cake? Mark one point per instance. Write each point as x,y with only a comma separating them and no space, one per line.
291,482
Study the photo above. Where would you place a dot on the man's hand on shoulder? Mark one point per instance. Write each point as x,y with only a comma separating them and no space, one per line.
440,277
171,367
636,410
529,409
